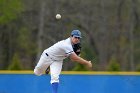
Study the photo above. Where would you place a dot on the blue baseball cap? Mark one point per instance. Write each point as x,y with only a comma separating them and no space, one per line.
76,33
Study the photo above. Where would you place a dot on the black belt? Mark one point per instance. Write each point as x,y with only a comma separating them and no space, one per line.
47,54
50,57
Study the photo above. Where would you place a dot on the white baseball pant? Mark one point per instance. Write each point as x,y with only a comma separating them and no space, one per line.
55,67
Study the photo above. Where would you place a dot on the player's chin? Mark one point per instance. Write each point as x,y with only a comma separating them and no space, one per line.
76,42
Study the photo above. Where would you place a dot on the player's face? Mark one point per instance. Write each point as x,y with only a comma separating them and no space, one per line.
75,40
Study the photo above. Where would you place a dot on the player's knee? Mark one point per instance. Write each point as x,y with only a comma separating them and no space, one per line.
37,72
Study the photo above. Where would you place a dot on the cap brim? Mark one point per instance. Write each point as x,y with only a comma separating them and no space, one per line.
77,36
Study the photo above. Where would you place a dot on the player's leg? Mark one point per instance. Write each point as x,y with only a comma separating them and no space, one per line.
43,63
47,70
55,70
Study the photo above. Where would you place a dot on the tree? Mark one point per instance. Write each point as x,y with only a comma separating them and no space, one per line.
9,12
15,65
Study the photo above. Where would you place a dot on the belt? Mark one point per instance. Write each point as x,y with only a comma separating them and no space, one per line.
47,54
50,57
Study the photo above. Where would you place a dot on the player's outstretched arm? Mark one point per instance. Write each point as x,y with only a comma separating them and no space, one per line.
80,60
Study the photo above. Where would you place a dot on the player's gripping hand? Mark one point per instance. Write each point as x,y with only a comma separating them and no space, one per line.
89,65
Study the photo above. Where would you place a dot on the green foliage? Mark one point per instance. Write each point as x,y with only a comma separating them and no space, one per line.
138,67
9,10
79,67
25,41
113,65
15,65
105,26
87,52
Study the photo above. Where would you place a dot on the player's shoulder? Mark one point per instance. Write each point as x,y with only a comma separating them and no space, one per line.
65,41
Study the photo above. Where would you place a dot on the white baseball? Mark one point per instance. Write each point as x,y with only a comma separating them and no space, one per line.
58,16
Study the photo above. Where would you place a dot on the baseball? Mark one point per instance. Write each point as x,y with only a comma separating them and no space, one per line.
58,16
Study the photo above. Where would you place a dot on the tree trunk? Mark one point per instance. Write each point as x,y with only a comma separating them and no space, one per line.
41,28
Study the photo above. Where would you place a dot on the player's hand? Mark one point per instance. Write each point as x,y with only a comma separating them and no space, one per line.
89,65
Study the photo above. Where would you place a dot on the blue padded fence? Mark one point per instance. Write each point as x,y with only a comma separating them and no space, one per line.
70,83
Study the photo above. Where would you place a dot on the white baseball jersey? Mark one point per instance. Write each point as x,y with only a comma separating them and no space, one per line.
60,50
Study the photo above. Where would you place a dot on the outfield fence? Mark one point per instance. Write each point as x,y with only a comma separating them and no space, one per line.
71,82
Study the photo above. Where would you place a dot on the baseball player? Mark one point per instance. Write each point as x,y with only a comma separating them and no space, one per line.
53,57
